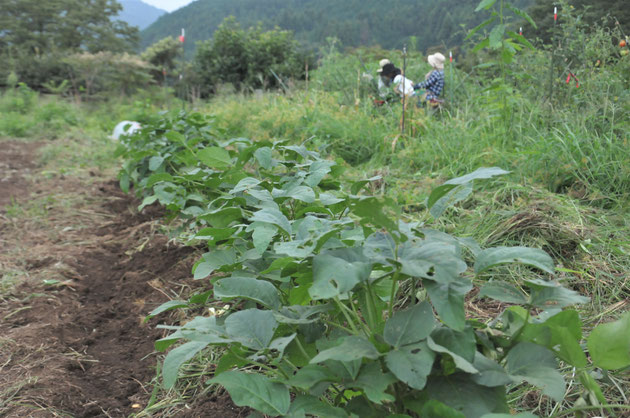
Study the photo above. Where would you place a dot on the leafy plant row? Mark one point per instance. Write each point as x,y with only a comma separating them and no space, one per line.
314,272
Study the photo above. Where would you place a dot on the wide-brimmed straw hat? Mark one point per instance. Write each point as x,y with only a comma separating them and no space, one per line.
437,60
382,63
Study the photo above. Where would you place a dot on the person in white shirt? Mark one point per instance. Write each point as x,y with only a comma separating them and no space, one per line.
402,86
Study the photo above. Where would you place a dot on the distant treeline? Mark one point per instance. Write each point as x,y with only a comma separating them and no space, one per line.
420,23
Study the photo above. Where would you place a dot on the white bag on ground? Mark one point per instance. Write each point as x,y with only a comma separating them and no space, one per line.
125,127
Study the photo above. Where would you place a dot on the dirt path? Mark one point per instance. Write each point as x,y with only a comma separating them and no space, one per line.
79,270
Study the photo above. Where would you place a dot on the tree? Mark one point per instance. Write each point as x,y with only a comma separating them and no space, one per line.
35,31
163,55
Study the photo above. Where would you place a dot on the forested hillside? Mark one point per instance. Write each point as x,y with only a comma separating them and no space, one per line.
353,22
138,13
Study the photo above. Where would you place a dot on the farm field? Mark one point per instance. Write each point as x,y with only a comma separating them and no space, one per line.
300,251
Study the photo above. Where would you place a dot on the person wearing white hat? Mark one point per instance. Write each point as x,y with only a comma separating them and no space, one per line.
434,80
383,82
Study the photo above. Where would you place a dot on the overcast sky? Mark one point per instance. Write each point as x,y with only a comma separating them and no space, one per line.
168,5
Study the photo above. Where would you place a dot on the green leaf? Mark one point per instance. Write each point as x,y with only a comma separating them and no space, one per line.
245,184
348,349
461,393
462,343
537,366
252,327
491,374
167,306
317,171
522,14
264,157
263,235
215,157
260,291
222,218
503,292
310,375
496,36
310,405
547,295
371,210
435,260
460,362
561,333
480,26
437,409
358,185
334,275
274,217
448,301
501,255
485,4
155,162
176,358
409,326
609,344
213,261
411,364
256,391
299,315
374,382
457,194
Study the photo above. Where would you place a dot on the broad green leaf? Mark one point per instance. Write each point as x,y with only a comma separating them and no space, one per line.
561,333
176,358
155,162
548,295
215,234
411,364
264,157
434,260
280,344
222,218
358,185
299,314
334,276
374,382
310,375
463,343
496,36
215,157
461,393
317,171
537,366
521,39
263,235
485,4
491,374
213,261
274,217
380,247
409,326
297,192
609,344
503,292
371,210
448,301
260,291
480,173
245,184
147,201
460,362
256,391
310,405
252,327
524,255
451,198
167,306
348,349
594,391
437,409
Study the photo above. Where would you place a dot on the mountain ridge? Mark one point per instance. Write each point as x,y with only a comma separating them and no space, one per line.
138,13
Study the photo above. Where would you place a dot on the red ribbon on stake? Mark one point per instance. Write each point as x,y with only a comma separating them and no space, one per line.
450,56
182,37
520,31
555,14
573,76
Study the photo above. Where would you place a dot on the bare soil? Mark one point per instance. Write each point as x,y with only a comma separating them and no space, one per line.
80,268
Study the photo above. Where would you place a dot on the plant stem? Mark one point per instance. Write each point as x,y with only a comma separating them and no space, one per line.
344,310
392,293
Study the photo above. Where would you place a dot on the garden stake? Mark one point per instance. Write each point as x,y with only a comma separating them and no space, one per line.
450,59
555,21
402,123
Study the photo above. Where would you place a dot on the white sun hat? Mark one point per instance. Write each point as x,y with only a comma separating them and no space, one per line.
437,60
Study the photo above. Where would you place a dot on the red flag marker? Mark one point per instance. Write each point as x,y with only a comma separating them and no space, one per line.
520,31
450,56
555,14
182,37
